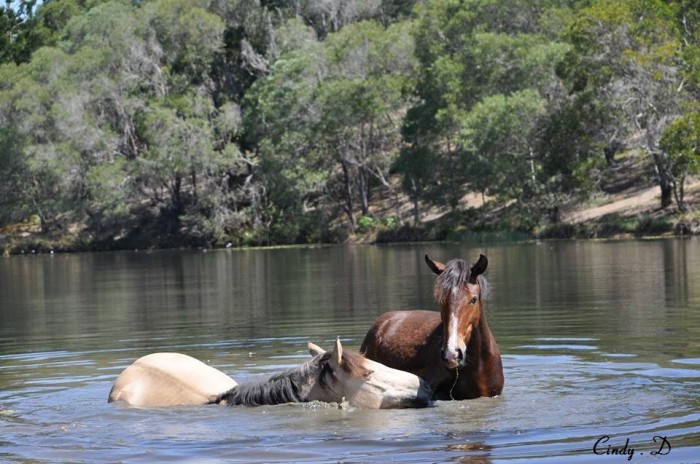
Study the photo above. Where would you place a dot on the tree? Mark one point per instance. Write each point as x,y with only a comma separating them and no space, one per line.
280,122
625,54
190,37
27,25
14,175
326,119
114,118
497,143
681,142
176,168
45,167
475,55
362,102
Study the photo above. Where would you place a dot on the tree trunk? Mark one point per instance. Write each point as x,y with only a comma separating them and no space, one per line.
679,194
347,201
195,197
176,207
363,190
664,178
453,188
416,205
666,195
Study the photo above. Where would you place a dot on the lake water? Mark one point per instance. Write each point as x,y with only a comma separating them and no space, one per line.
599,339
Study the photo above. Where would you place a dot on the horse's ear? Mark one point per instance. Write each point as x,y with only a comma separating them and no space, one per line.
314,349
479,267
337,355
435,266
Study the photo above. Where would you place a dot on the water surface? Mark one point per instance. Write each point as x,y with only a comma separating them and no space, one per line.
599,339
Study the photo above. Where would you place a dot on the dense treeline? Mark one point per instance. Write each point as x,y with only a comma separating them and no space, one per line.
253,121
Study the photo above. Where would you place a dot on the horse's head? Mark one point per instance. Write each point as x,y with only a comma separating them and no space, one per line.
459,289
349,376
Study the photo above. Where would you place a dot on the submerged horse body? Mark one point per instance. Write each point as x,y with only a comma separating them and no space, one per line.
453,350
168,379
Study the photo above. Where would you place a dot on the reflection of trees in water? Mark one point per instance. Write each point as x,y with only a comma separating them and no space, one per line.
583,289
595,289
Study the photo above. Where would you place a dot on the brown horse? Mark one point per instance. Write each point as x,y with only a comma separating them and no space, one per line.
453,350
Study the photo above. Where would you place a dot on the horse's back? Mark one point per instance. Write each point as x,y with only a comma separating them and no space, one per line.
168,379
403,339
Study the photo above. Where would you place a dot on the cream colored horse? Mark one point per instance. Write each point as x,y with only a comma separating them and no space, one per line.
164,379
168,379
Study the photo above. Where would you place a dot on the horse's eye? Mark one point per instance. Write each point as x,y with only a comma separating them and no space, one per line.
474,300
326,374
327,369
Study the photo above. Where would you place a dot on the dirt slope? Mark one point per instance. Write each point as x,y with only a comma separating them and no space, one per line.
632,202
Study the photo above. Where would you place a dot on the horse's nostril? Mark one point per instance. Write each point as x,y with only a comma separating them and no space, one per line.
452,355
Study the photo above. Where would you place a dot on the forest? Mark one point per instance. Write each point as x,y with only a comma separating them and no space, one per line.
206,123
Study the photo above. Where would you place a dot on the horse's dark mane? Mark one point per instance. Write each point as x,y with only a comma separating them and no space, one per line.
285,387
293,385
456,274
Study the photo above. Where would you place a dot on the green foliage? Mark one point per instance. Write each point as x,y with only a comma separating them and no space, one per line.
647,225
189,35
326,117
681,140
366,224
172,122
12,204
688,16
24,30
614,225
497,140
281,121
487,77
624,62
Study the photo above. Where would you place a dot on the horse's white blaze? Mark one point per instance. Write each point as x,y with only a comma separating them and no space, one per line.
168,379
454,342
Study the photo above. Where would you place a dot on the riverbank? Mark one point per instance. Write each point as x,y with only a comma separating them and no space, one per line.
629,212
632,212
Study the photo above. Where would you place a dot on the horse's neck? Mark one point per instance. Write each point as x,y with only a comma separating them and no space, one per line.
282,388
482,344
484,374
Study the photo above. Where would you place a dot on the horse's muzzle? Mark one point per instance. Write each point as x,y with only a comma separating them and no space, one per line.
452,358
